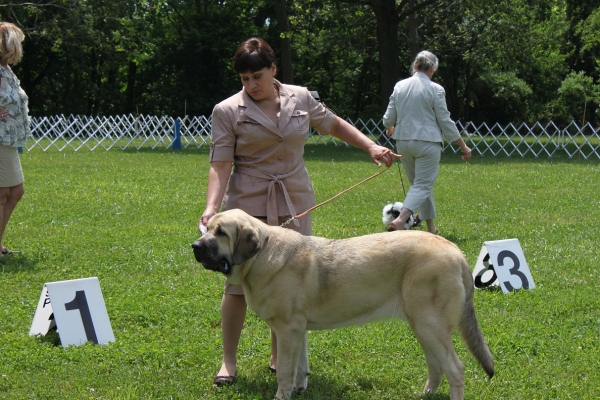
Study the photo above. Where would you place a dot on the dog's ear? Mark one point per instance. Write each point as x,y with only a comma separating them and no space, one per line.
247,244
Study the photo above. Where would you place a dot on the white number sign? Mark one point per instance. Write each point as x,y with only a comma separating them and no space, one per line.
502,262
78,310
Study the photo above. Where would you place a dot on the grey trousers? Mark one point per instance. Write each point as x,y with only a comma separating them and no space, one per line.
421,161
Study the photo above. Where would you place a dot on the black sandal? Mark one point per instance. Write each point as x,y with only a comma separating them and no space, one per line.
392,227
6,252
417,221
224,380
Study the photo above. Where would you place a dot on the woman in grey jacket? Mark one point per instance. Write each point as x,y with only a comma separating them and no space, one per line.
422,121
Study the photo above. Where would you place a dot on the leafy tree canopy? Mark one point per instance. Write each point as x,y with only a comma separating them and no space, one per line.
502,61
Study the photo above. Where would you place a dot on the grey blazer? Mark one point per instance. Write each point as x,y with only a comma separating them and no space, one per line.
418,109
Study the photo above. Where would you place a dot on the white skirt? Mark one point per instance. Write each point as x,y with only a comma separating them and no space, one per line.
11,173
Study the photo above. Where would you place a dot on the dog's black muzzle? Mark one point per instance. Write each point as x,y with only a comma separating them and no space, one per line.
207,254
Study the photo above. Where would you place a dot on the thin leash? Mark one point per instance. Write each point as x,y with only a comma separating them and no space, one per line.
417,221
337,195
401,180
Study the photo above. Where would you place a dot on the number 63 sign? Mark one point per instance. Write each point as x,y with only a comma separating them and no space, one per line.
78,310
502,262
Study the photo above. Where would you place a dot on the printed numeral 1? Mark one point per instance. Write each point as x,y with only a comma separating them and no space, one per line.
80,303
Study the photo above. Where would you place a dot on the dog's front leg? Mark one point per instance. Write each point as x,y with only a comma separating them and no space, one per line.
302,371
290,343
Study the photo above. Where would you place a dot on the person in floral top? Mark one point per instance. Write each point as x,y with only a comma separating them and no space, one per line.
14,125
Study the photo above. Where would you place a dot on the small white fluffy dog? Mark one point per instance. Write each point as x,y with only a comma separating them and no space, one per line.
392,211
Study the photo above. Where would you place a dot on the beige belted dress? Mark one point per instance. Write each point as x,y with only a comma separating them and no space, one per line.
269,180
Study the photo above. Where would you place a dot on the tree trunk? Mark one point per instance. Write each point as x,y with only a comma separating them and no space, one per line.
388,16
387,37
130,93
287,70
413,31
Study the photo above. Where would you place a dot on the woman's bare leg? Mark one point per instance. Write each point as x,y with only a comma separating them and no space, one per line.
9,197
431,226
399,222
233,314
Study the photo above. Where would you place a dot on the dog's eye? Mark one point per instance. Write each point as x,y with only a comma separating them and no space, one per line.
220,232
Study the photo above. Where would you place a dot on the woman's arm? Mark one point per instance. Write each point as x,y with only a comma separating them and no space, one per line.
343,130
464,148
218,176
391,115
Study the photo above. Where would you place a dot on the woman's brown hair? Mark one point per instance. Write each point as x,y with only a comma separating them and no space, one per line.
253,55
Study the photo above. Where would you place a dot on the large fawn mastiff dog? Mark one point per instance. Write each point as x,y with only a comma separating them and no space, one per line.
298,283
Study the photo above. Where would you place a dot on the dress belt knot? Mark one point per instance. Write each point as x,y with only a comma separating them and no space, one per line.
272,214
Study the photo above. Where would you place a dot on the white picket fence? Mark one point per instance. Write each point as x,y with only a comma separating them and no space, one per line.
136,132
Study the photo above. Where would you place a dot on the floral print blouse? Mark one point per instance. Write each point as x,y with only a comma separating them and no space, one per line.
14,130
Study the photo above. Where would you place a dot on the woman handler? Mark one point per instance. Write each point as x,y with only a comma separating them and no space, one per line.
260,132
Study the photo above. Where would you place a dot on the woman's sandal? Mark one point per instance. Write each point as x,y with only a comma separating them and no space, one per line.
6,252
224,380
417,222
392,227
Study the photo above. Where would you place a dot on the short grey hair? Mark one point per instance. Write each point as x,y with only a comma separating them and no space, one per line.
425,61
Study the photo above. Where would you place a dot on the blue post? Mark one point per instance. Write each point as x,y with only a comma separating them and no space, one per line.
20,149
177,139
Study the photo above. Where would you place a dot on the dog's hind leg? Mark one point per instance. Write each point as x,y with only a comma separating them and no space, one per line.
434,372
455,373
441,358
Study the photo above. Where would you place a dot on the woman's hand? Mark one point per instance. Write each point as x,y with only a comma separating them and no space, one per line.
381,154
466,153
464,148
349,134
206,215
218,176
3,113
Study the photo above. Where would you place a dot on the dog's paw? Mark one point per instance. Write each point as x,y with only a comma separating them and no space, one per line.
301,382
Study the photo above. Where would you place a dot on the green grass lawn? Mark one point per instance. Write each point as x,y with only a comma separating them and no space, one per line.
128,218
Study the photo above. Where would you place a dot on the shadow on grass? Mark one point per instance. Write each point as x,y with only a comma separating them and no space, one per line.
343,153
455,239
319,387
352,154
17,263
202,151
493,289
52,338
486,159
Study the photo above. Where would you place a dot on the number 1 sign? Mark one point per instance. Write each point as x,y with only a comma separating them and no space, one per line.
78,310
502,262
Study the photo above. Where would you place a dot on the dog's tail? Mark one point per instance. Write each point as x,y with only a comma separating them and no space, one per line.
469,328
